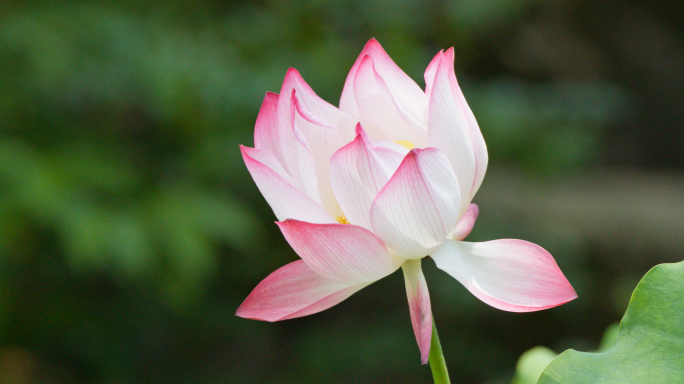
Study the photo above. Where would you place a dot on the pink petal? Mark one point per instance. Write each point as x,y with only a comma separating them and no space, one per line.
465,224
266,127
358,172
448,130
376,105
319,142
419,305
266,134
344,253
401,85
294,291
419,205
476,140
286,200
512,275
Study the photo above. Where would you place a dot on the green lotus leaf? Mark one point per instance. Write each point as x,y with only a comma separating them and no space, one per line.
650,342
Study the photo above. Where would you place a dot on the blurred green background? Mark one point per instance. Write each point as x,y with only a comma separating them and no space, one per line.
130,230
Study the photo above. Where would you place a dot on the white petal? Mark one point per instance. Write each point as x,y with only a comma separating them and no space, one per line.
358,172
512,275
321,141
307,167
448,130
375,105
476,139
400,84
286,200
419,205
319,107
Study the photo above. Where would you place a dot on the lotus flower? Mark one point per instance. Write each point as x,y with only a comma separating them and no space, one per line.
378,184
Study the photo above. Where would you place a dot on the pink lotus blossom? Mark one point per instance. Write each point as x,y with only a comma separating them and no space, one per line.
378,184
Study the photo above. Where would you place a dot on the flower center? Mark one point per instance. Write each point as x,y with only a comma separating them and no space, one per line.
342,219
409,145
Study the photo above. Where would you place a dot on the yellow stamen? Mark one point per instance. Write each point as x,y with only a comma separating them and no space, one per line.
409,145
342,219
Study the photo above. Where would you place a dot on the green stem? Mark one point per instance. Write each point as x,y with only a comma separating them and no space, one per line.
437,363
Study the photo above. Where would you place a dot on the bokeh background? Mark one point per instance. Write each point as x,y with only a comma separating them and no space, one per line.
130,230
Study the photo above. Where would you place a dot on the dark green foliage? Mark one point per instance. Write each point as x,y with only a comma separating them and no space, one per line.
649,344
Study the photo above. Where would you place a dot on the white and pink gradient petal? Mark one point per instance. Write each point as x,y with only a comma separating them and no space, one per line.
418,206
412,111
448,130
294,291
318,142
405,90
286,200
266,158
419,306
511,275
359,170
375,104
465,224
345,253
476,139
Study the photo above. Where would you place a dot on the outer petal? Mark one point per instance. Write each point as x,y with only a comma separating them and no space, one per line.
375,104
448,130
320,141
405,90
512,275
419,305
286,200
344,253
358,172
476,140
294,291
465,224
417,208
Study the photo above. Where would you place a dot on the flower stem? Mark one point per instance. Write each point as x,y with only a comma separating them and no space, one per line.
437,363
